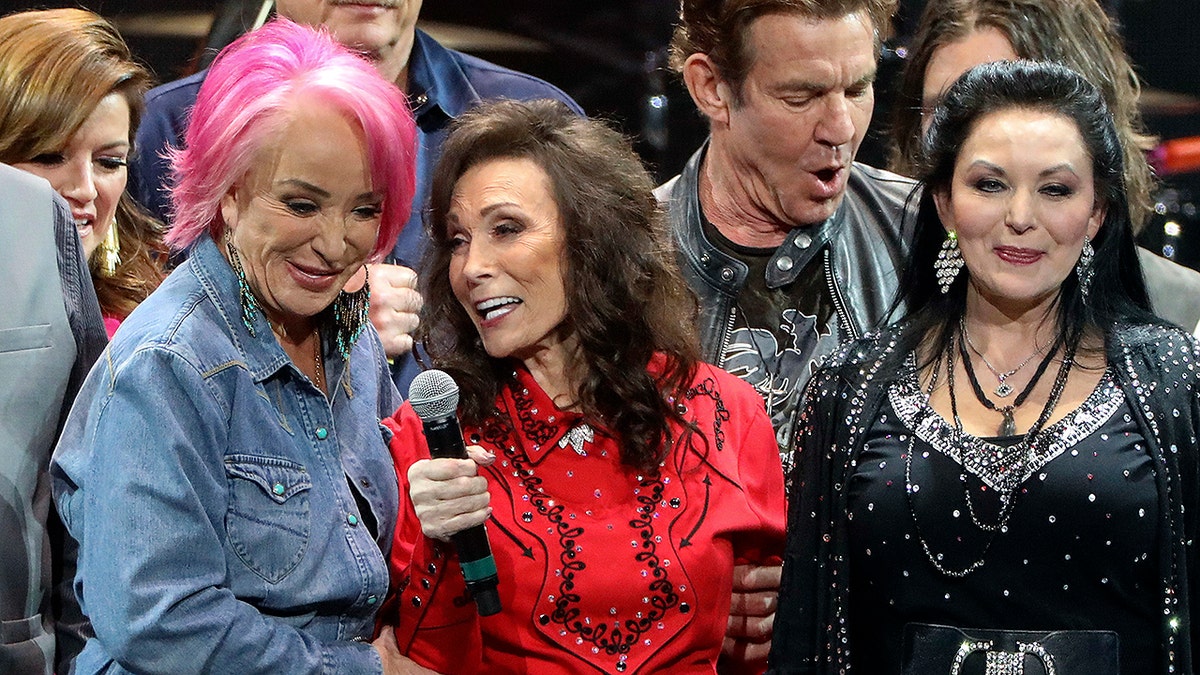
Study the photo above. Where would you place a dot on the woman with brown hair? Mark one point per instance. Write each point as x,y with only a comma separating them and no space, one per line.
628,477
70,100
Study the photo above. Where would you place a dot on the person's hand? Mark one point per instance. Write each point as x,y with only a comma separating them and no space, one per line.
395,663
449,495
752,613
395,304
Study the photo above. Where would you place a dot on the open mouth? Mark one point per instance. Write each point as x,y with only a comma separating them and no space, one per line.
826,175
494,308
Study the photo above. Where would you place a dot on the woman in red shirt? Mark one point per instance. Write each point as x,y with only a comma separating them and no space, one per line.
623,479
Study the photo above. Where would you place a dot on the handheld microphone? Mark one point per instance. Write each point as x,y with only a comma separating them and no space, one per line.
434,397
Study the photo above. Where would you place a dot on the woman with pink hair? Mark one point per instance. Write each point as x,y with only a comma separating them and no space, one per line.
224,470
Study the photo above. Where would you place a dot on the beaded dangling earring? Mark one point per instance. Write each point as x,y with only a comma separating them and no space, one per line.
949,262
1084,269
247,300
110,250
351,314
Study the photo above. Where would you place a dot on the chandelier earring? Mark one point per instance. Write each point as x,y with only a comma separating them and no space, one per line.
351,313
246,299
949,262
110,250
1085,268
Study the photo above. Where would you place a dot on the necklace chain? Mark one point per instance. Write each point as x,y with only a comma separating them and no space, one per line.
1008,494
318,363
1008,426
1002,389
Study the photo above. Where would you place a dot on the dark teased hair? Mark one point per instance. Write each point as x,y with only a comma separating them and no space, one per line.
720,28
1076,33
1118,291
626,299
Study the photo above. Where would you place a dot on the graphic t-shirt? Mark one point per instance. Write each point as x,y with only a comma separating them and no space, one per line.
779,334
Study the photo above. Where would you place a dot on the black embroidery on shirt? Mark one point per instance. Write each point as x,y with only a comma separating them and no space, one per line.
611,636
535,430
708,388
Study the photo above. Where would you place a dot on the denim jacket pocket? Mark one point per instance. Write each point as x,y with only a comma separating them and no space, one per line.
268,519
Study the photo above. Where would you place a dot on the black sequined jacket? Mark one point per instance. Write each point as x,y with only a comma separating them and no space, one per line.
1158,368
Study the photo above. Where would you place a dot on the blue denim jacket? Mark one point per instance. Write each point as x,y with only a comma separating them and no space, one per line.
212,489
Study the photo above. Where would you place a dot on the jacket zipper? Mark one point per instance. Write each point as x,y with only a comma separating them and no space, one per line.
725,335
839,302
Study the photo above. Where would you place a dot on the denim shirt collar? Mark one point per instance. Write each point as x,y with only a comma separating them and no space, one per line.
262,353
436,82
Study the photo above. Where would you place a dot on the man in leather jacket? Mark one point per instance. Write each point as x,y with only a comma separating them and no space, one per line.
790,245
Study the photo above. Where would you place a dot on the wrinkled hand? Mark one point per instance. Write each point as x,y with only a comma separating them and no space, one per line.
395,663
395,305
449,495
752,613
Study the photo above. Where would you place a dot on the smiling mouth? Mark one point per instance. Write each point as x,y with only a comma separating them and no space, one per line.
494,308
360,3
1019,256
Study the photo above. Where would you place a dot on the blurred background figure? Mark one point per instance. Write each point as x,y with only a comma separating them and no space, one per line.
50,335
1022,463
955,35
628,479
70,101
224,470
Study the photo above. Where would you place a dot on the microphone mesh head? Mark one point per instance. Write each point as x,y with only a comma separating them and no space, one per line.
433,395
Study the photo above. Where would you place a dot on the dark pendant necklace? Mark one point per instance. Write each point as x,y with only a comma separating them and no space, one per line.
1007,495
1008,427
1003,388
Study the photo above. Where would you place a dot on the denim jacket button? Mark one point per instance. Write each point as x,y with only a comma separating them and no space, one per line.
352,519
322,433
278,489
371,599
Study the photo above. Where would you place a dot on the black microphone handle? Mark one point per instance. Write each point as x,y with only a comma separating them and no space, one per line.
444,438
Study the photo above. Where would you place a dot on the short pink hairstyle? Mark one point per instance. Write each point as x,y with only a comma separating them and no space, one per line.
246,101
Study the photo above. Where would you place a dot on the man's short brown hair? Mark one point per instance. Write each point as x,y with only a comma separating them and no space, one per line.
719,28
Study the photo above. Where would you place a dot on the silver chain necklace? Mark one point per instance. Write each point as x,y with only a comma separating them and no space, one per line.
1007,496
1003,390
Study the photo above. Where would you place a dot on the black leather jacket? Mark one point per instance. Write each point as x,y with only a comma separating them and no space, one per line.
861,248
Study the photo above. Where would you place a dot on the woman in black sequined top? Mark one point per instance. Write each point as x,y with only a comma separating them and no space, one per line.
1000,480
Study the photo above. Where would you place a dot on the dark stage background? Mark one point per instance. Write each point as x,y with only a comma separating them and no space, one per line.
610,56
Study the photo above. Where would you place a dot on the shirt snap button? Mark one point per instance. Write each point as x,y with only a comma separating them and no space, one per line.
278,489
322,433
352,519
784,263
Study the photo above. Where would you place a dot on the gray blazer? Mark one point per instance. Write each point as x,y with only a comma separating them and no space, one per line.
50,334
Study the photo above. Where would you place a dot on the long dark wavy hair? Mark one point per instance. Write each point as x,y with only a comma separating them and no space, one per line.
1118,291
626,299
